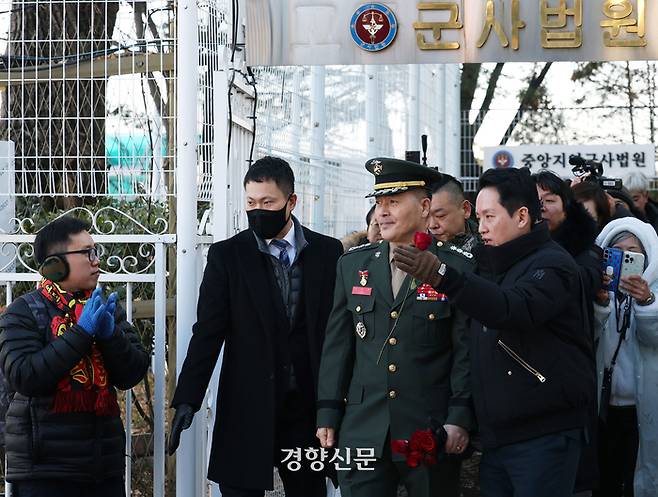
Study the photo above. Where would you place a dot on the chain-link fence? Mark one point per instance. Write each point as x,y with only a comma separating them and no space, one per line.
87,97
285,127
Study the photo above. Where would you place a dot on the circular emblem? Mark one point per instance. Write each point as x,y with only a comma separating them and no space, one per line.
503,160
373,27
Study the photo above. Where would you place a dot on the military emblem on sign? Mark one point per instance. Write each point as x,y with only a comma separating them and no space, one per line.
373,27
363,275
503,160
361,330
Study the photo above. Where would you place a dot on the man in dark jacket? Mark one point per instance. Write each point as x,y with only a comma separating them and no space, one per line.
530,350
266,296
63,351
575,230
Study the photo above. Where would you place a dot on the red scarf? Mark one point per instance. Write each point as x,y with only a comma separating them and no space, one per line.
85,389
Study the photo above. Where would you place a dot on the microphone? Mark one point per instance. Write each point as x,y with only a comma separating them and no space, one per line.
423,140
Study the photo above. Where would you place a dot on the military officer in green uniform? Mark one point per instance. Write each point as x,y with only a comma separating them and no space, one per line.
395,356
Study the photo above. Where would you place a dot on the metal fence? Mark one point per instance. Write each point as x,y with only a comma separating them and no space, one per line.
87,103
88,96
328,121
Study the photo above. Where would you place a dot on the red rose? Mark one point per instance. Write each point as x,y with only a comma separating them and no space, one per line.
426,440
400,447
415,442
422,240
422,440
414,459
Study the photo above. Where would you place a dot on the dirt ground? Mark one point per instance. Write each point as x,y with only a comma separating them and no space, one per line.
471,476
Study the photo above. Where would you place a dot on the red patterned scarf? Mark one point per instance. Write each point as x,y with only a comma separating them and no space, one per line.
85,389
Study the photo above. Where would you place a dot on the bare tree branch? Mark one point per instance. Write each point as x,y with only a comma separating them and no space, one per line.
488,98
535,84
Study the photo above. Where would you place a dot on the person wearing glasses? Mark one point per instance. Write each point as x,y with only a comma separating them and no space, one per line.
64,350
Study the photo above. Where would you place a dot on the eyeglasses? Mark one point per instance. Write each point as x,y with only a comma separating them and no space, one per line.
92,253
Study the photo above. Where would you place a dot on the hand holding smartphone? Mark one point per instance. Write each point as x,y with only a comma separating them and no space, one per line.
618,264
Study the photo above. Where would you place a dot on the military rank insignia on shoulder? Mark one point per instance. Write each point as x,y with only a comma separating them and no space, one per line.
450,247
466,254
359,247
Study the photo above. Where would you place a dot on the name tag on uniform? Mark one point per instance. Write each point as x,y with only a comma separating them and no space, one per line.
361,290
427,293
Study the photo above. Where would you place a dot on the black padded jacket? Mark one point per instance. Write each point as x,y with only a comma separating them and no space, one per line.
41,444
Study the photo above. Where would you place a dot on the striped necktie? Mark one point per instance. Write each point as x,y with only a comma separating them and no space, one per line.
282,245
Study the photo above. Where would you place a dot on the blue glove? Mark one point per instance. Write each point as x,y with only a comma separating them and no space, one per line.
92,313
106,323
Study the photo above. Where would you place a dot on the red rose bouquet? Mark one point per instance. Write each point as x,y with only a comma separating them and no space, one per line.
421,448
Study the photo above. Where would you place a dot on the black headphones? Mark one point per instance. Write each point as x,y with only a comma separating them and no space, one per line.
55,268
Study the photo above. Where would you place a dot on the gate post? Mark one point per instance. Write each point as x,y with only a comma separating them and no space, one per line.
186,224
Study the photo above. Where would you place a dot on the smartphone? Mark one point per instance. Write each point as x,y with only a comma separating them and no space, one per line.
612,262
631,265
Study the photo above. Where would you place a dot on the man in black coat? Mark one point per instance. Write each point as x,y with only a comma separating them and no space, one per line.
531,350
63,352
575,230
265,296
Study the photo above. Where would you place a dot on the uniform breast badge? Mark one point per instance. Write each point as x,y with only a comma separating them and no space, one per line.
426,293
361,330
363,275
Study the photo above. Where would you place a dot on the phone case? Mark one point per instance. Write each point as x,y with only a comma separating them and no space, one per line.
612,261
632,264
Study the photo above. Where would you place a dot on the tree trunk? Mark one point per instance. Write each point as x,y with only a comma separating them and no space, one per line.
58,125
469,82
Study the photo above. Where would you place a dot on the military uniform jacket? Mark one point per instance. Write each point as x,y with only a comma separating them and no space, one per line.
423,372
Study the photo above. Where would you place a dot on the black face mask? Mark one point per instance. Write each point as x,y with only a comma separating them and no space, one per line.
267,224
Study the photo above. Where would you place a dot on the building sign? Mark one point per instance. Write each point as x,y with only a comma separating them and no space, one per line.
617,160
307,32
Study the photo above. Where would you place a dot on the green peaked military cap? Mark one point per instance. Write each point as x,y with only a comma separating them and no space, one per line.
396,176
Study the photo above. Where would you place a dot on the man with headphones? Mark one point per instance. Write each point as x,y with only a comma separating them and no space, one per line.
64,350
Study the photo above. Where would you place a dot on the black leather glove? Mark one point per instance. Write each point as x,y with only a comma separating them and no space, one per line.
422,265
182,421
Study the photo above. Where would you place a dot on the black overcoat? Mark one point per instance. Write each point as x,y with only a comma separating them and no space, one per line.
240,308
